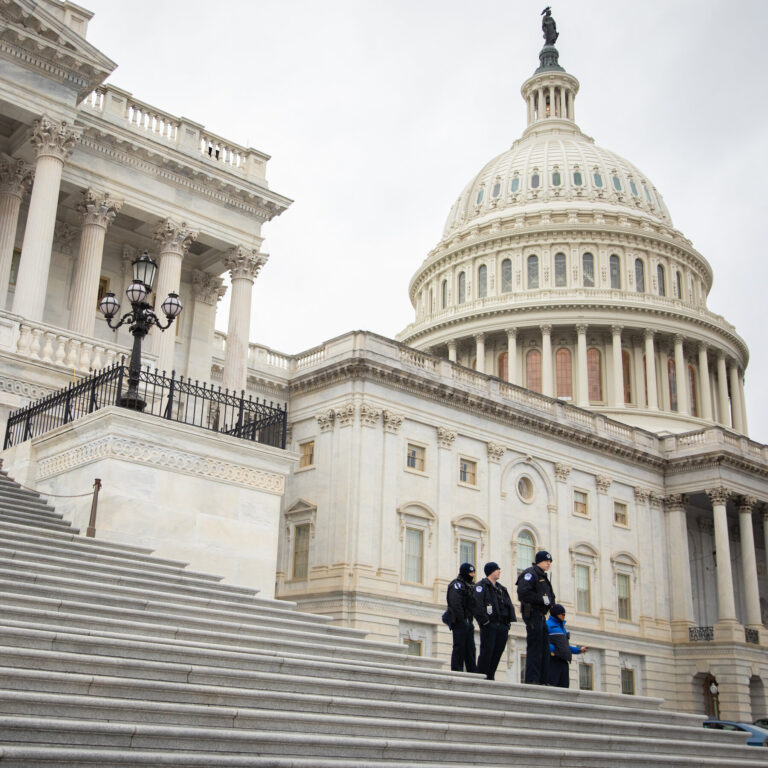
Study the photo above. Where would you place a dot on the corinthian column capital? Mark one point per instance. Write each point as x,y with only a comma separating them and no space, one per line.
173,237
718,495
15,177
97,208
54,139
207,288
244,262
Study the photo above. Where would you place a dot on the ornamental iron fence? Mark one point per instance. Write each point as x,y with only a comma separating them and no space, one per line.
751,635
706,634
170,398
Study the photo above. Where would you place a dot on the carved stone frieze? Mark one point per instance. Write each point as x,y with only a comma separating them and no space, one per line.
97,208
345,415
445,437
369,416
54,139
24,388
392,421
207,288
496,452
562,472
174,238
326,420
244,263
15,177
642,495
603,483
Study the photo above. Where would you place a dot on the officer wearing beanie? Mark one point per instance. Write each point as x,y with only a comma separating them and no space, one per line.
494,613
460,605
536,598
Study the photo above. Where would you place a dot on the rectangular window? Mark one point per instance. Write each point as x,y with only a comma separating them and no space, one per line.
628,682
307,454
414,647
580,504
301,551
583,590
468,471
625,601
467,551
620,513
414,458
414,555
586,677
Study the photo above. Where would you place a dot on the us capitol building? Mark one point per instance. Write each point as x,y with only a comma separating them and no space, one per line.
562,386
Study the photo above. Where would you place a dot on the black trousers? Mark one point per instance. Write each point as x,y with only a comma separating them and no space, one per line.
493,639
463,654
537,649
558,672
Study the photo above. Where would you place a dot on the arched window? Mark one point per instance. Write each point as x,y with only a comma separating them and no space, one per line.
482,281
692,391
594,375
506,276
431,301
533,370
503,370
615,268
662,281
533,271
626,369
563,372
672,376
561,273
639,276
679,281
526,546
462,287
588,270
444,294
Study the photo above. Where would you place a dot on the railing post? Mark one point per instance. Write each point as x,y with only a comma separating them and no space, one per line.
169,407
91,530
242,407
285,426
92,399
120,381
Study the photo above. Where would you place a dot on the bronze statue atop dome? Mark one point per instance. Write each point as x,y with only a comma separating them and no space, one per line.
548,27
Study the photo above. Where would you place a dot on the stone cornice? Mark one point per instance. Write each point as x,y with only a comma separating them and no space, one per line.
715,459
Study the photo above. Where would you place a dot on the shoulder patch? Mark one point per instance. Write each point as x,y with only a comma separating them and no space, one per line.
528,576
478,588
457,585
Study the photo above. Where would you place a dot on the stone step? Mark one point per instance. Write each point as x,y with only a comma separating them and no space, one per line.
11,489
20,500
35,520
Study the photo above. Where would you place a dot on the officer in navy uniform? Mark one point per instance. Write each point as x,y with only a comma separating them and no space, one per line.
536,598
494,613
460,605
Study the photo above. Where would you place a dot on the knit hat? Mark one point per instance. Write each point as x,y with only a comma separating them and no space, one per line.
557,610
543,555
466,571
490,568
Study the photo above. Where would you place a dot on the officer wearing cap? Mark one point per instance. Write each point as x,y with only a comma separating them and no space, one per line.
460,605
536,597
494,613
560,648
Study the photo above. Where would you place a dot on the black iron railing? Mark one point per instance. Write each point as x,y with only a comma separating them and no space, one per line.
701,634
174,399
751,635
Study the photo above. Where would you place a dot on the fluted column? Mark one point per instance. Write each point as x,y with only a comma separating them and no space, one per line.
243,265
582,374
53,141
546,360
743,403
480,352
452,350
173,241
706,394
726,605
650,371
206,292
618,373
15,178
512,356
722,391
749,562
736,407
97,211
681,374
681,594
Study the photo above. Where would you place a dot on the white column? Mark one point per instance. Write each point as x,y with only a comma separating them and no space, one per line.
681,594
173,241
726,605
452,350
512,356
722,391
706,394
243,265
582,375
15,178
743,401
480,352
206,292
681,374
650,371
53,141
546,361
749,562
736,409
638,386
97,211
666,398
618,372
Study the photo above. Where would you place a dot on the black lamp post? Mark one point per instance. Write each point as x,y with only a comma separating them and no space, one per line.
142,317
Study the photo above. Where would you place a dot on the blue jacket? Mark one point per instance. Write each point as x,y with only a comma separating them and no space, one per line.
557,627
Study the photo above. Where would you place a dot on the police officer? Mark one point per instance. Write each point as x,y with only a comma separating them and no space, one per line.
494,613
536,598
460,605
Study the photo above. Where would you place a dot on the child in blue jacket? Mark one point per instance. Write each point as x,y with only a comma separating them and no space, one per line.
560,648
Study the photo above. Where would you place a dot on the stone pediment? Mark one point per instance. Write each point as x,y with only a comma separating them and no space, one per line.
33,37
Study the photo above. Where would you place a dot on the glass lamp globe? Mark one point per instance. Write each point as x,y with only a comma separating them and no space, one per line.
172,305
109,305
144,270
136,291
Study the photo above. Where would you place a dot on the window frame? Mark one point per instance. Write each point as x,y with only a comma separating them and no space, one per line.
587,666
616,522
587,513
628,673
305,527
579,568
302,512
587,268
482,281
302,456
532,272
419,446
615,261
405,574
506,280
476,465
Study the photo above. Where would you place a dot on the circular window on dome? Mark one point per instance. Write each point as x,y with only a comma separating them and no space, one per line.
515,185
535,181
617,183
480,195
496,191
633,188
598,179
525,488
556,179
577,179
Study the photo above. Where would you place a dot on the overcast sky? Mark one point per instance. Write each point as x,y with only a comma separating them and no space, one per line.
377,113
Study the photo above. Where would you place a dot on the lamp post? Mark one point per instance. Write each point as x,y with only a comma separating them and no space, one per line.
715,701
142,317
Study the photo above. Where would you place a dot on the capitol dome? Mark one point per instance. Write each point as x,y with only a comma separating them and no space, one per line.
559,271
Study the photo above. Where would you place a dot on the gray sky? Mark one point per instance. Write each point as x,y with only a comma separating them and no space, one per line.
377,113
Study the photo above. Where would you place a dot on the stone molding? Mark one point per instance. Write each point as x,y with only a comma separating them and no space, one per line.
496,452
51,138
97,208
244,263
642,495
152,454
369,416
25,389
603,483
562,472
326,420
206,288
392,421
345,415
445,437
656,500
15,177
172,237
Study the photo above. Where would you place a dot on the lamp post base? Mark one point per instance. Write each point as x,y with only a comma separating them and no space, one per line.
133,402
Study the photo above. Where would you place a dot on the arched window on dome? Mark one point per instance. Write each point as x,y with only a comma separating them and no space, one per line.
639,276
588,270
626,371
514,185
444,294
564,373
661,278
482,281
526,546
633,188
692,391
462,287
556,179
615,269
496,191
502,368
533,370
578,179
506,275
594,375
533,271
616,183
535,181
598,180
672,377
561,272
679,282
480,195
